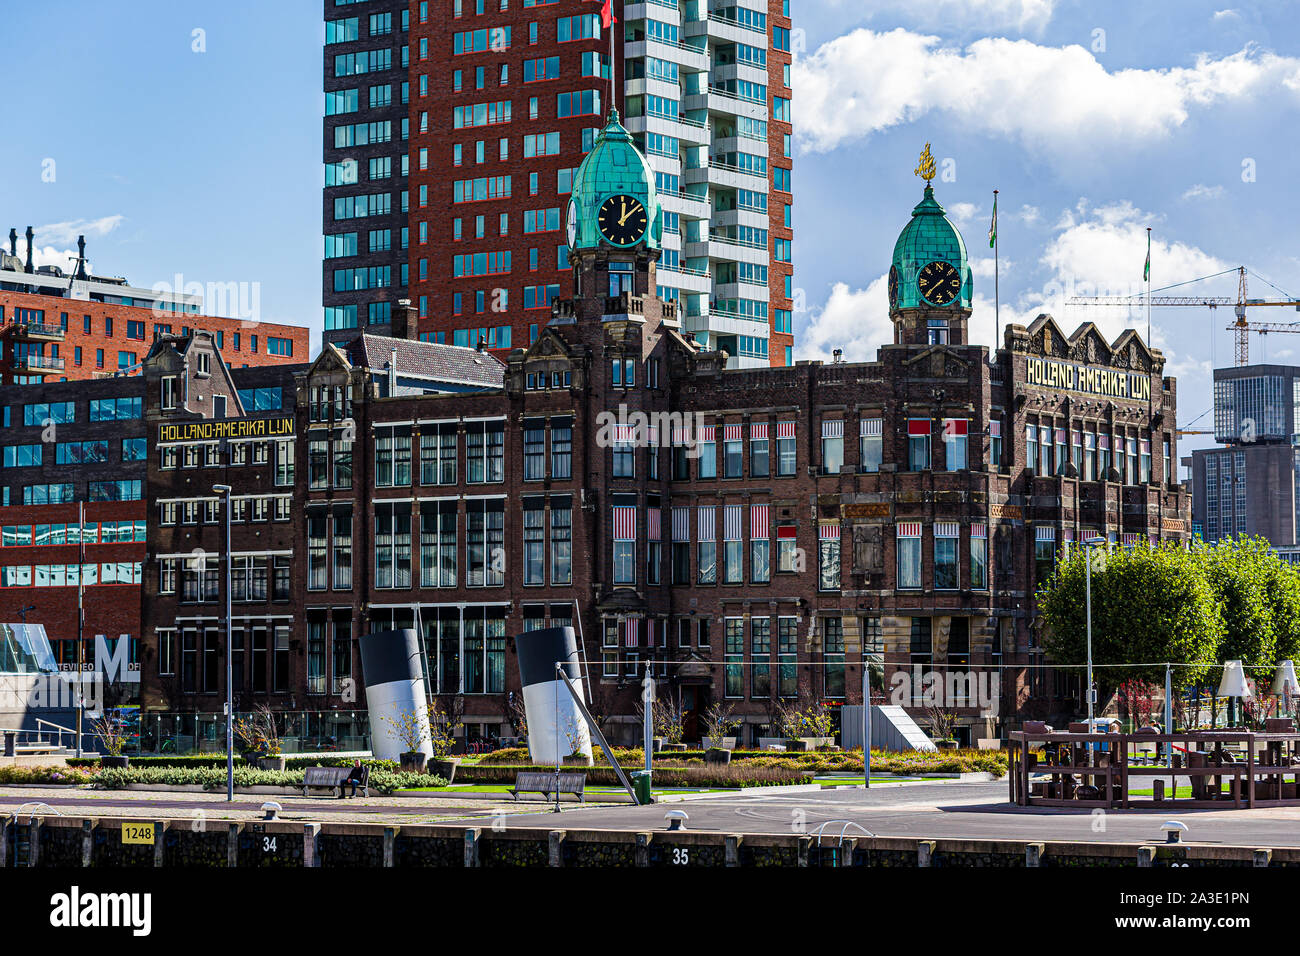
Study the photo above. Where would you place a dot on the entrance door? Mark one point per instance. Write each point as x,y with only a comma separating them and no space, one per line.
691,709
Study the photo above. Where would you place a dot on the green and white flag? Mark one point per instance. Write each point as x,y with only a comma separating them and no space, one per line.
1146,270
993,226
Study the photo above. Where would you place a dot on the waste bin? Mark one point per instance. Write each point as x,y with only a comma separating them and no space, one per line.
640,786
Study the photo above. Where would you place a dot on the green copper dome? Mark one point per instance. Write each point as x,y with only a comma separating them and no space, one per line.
929,237
614,167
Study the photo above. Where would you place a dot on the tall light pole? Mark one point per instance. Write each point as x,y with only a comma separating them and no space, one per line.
1087,574
224,491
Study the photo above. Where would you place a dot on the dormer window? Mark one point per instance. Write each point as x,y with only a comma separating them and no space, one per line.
168,395
204,364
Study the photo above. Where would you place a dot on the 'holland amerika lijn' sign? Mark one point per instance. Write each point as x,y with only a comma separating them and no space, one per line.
230,428
1049,373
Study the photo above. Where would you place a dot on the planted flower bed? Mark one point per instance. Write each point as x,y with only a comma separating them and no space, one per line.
210,778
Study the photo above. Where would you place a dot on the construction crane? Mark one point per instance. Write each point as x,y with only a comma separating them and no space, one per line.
1241,327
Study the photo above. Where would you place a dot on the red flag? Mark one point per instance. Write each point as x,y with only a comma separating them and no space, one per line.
607,17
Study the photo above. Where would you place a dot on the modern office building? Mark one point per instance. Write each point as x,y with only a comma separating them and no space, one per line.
754,536
68,326
1251,484
453,130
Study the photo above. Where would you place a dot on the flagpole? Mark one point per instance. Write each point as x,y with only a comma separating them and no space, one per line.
997,300
1148,287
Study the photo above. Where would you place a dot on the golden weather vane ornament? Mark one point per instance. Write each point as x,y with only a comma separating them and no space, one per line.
925,168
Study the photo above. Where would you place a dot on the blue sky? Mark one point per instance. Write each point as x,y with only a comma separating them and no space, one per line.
1095,120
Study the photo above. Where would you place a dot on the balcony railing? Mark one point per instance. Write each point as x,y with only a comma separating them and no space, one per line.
34,330
38,362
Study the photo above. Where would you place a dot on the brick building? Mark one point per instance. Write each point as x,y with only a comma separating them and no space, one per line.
57,326
756,535
453,129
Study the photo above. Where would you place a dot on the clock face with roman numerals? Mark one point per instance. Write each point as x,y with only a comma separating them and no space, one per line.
623,220
939,283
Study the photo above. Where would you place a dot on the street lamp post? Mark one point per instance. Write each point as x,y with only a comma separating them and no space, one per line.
224,490
1087,574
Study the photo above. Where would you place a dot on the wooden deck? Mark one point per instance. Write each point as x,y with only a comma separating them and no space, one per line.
1061,769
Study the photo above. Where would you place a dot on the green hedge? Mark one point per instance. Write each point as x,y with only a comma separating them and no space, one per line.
214,778
704,777
291,762
815,762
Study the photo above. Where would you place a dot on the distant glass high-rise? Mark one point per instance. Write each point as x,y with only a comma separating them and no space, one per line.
1251,484
453,128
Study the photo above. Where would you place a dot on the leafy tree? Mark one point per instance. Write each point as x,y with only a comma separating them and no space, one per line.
1241,571
1149,606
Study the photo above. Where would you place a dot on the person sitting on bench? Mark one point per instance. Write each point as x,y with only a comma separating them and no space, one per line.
356,778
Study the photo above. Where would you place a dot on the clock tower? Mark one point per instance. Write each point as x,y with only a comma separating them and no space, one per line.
614,221
929,278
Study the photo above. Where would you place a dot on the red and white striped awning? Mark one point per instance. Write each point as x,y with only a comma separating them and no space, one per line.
653,525
681,435
833,428
1129,539
759,524
1044,534
630,631
732,433
995,428
758,431
732,516
918,426
624,523
708,523
785,429
624,434
871,427
910,529
650,632
681,523
979,531
827,531
947,529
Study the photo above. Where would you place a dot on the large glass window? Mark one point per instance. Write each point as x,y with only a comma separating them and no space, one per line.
870,444
946,537
918,444
909,556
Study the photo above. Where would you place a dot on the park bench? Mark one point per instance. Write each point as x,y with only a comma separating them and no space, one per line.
548,783
333,778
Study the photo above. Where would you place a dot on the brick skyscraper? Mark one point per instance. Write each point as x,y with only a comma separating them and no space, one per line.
453,128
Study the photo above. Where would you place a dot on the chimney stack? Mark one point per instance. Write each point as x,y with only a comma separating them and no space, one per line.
30,235
406,323
81,257
13,243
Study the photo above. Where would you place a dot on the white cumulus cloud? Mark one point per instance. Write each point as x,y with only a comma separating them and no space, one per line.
1027,16
1054,100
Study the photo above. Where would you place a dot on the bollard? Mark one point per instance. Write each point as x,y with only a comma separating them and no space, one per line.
1263,857
924,853
1146,855
555,848
1034,854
